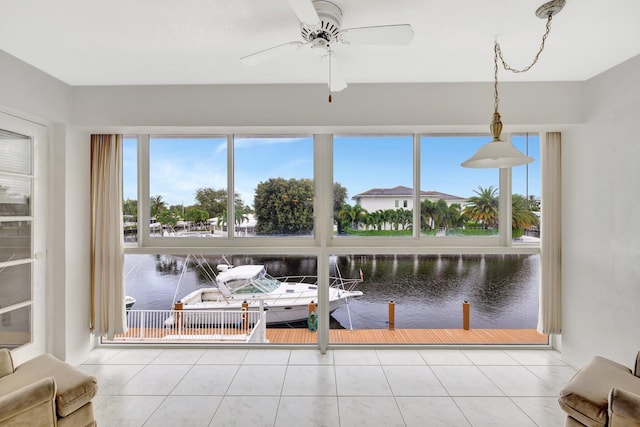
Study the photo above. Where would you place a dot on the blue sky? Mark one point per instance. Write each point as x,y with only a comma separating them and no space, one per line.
179,166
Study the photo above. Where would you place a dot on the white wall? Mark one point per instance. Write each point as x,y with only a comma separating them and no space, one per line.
32,94
405,105
601,222
70,244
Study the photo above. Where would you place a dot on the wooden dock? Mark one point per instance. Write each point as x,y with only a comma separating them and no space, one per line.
343,336
411,336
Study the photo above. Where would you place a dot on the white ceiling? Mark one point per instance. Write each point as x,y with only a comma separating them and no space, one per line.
127,42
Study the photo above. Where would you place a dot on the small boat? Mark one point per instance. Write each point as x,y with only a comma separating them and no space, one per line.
285,299
128,302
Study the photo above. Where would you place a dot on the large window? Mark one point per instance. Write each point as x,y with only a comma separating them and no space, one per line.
373,185
456,201
428,233
187,186
273,180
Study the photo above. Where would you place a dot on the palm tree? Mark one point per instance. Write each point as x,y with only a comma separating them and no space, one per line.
406,218
395,217
434,214
355,214
222,219
157,205
240,216
455,217
377,219
521,212
533,203
483,207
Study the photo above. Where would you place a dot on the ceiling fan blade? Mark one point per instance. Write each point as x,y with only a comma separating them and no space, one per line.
305,11
336,81
400,34
270,53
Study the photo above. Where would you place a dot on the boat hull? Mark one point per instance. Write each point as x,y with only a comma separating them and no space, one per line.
276,312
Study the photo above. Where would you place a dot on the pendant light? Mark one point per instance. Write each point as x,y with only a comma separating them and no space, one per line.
498,153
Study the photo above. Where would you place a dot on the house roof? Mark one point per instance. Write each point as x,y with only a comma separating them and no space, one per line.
401,190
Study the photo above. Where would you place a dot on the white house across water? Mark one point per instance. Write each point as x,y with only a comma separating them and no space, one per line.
400,197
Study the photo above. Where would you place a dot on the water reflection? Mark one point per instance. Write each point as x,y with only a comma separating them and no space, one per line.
428,290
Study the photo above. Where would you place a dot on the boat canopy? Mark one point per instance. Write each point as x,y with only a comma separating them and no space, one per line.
236,277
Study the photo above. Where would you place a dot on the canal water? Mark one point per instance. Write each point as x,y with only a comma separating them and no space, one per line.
427,291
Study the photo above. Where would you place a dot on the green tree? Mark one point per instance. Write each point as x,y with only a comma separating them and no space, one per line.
405,217
167,217
483,207
377,219
129,207
199,216
339,199
352,215
284,206
433,214
455,217
521,213
157,205
239,214
533,203
214,200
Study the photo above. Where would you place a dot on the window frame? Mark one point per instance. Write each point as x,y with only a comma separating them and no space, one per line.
324,244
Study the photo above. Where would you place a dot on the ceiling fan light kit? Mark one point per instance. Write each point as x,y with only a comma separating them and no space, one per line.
497,153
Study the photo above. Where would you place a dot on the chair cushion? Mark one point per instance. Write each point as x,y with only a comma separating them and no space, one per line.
585,398
6,362
75,388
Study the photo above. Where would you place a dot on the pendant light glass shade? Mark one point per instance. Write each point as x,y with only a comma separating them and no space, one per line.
497,153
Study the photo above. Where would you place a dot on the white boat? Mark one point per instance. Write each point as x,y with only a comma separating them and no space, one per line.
128,302
285,299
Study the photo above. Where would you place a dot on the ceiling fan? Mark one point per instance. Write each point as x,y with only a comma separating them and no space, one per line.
320,29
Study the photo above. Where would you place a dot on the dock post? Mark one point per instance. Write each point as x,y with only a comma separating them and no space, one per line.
392,315
177,307
312,320
245,316
465,315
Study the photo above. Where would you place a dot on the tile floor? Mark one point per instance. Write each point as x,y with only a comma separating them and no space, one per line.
343,388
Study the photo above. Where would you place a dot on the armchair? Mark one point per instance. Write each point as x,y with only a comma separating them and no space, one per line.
45,392
603,394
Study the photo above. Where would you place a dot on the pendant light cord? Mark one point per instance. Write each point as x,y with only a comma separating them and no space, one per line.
506,66
497,53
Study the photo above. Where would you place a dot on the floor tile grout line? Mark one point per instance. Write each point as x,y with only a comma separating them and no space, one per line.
166,396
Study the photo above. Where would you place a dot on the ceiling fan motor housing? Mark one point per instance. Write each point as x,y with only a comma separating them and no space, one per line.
330,21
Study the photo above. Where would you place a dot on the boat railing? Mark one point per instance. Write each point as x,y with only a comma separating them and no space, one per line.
193,325
334,282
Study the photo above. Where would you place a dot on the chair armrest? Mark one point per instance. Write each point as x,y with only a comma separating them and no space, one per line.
624,408
6,362
34,403
636,368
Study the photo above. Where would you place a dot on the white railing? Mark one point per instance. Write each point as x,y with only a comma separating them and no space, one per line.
191,325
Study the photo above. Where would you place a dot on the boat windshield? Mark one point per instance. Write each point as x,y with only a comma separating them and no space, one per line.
259,285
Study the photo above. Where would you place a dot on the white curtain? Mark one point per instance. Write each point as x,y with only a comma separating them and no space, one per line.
550,316
108,314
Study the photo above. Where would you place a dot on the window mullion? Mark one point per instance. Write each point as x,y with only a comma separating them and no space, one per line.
504,215
231,192
144,211
416,187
